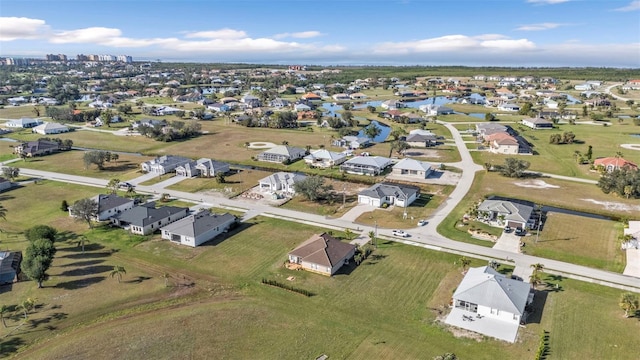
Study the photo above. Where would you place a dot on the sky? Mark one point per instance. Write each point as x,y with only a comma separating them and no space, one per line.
527,33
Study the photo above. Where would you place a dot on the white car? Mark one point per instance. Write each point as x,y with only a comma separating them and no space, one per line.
422,222
400,233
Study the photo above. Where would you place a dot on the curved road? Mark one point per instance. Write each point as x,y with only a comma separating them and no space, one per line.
425,236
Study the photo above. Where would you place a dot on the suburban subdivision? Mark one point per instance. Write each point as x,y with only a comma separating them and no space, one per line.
170,210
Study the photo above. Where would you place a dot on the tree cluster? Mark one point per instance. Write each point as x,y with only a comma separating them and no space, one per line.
175,130
65,144
567,137
39,253
513,167
313,188
624,182
98,158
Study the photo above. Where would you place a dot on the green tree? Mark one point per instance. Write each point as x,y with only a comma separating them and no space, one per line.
525,109
446,356
64,206
399,146
464,263
97,157
535,280
396,133
537,267
85,210
3,309
628,190
349,234
117,272
347,116
372,109
372,236
10,172
41,232
514,167
313,188
490,117
371,131
221,178
629,303
82,240
37,260
589,153
113,185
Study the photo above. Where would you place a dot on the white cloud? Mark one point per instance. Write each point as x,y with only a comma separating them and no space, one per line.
453,43
14,28
217,34
633,6
538,27
299,35
551,2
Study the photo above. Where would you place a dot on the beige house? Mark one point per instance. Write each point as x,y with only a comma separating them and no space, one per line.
322,254
412,168
502,143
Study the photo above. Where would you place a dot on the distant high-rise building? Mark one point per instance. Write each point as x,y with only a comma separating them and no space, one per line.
125,58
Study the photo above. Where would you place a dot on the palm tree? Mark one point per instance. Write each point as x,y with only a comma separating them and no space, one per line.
117,272
464,262
349,234
372,236
537,268
3,309
3,213
81,241
629,303
535,280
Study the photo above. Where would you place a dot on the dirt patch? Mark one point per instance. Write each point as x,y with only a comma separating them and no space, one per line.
631,146
536,184
423,153
613,206
261,145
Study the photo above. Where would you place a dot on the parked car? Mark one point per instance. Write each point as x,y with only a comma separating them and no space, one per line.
520,231
508,229
422,222
400,233
125,185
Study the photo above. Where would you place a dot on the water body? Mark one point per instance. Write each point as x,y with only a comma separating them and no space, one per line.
553,208
384,132
635,135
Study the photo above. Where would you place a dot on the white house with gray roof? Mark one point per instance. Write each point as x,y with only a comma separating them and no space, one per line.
280,181
50,128
23,123
282,153
110,205
505,213
412,168
490,303
146,219
352,142
387,193
202,167
366,165
164,164
197,229
324,158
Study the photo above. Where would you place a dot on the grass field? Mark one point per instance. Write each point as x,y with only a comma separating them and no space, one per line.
71,162
235,183
578,240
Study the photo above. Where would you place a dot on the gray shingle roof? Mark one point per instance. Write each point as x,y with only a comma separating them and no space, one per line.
510,210
381,190
110,201
146,214
198,224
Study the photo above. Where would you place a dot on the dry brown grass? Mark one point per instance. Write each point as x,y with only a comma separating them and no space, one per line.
236,183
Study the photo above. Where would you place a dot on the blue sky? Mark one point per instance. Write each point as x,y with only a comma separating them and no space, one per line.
331,32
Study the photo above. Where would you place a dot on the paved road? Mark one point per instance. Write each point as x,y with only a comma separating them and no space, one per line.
426,236
618,97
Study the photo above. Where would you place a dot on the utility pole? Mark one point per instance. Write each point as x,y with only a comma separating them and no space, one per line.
344,195
539,223
376,234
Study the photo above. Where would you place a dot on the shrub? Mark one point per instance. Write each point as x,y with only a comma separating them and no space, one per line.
304,292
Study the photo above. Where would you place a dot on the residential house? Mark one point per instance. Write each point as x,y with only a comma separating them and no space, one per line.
110,205
164,164
341,97
357,96
366,165
50,128
412,168
324,158
486,129
499,213
280,181
583,87
202,167
146,219
421,138
392,105
279,103
149,122
282,153
352,142
196,229
219,107
537,123
251,101
301,107
37,148
390,194
311,97
322,254
509,107
5,184
502,143
614,163
9,266
24,123
433,109
490,303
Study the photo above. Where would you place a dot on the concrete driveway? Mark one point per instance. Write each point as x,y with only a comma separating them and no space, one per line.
633,263
357,210
508,242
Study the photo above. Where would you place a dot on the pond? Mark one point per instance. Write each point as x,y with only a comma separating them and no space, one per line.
635,135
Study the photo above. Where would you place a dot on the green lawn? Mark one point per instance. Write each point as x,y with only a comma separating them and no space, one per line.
578,240
235,183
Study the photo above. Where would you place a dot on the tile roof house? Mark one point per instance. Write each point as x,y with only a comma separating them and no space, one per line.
37,148
366,165
614,163
282,153
164,164
50,128
197,229
485,129
9,266
322,254
324,158
412,168
146,219
388,193
502,143
505,213
490,303
280,181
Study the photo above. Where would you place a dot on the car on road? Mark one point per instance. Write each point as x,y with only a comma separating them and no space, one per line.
422,222
400,233
125,185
